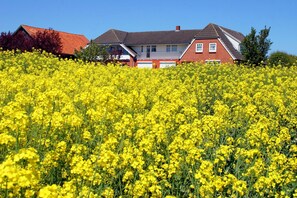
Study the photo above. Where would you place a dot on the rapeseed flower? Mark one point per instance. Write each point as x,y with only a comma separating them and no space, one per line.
74,129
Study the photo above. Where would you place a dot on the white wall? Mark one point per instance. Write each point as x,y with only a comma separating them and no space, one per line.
160,53
234,42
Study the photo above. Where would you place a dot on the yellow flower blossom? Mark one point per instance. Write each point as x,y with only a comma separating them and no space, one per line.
75,129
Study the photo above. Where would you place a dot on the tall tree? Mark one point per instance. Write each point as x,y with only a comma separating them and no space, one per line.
255,47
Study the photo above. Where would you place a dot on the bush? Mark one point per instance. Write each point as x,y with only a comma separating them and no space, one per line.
281,58
47,40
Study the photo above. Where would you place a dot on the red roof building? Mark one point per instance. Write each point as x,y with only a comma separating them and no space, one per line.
70,42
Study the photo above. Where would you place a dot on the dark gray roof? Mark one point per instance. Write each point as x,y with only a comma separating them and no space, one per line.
161,37
111,37
143,38
211,31
214,31
239,36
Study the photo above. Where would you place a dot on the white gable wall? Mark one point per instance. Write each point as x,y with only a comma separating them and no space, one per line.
234,42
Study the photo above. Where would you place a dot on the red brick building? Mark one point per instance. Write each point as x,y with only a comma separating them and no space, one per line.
158,49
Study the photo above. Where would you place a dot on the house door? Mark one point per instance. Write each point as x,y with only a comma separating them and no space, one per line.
148,51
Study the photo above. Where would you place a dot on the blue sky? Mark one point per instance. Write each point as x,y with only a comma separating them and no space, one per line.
94,17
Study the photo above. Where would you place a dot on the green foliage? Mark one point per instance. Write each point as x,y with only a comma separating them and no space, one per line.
281,58
294,58
255,47
93,53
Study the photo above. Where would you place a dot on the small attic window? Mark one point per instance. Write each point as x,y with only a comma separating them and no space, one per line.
199,47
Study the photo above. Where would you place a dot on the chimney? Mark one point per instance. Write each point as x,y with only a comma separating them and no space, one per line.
177,28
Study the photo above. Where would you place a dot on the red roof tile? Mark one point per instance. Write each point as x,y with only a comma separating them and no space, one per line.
69,41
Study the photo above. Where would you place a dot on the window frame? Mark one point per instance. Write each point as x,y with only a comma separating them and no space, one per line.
212,50
154,48
201,50
174,47
168,48
148,51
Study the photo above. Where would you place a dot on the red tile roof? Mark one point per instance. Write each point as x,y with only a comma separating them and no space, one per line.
69,41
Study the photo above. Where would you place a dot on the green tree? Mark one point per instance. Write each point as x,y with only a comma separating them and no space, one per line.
281,58
254,47
293,58
93,52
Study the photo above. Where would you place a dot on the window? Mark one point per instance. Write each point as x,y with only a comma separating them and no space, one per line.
141,48
148,51
168,48
154,48
174,48
212,47
199,47
111,49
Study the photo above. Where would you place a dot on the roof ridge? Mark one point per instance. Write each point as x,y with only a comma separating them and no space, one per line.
116,36
225,32
117,30
113,31
51,29
232,33
229,29
214,27
31,26
165,31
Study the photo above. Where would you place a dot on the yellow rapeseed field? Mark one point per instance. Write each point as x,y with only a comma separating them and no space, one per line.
74,129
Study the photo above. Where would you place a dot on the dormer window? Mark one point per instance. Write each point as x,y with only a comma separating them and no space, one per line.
212,47
199,47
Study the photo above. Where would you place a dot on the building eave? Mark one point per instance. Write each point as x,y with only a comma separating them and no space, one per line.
133,54
230,35
229,52
181,56
22,28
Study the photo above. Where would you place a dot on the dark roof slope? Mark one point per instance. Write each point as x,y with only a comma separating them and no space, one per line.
239,36
111,37
209,32
143,38
214,31
161,37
